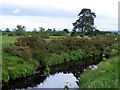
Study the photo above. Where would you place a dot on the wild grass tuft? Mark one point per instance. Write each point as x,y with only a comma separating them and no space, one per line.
105,76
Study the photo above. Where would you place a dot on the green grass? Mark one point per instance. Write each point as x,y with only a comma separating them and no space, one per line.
61,37
7,40
13,65
56,37
105,76
87,37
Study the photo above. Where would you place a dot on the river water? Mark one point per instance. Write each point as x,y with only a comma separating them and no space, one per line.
59,75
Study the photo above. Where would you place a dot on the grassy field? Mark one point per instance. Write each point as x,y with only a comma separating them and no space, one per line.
105,76
8,40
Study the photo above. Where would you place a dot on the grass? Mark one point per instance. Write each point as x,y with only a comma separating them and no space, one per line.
105,76
18,67
62,37
87,37
7,59
7,40
13,65
56,37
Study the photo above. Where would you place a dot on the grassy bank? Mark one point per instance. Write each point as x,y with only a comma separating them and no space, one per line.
12,65
105,76
27,54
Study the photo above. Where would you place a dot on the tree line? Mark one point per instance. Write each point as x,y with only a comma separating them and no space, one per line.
20,31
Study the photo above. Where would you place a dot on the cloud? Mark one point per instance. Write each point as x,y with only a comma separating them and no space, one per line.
30,22
16,11
38,11
106,23
57,13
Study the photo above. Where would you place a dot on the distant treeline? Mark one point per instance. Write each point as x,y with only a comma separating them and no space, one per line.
20,31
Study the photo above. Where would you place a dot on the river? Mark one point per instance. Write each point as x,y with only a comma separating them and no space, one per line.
57,78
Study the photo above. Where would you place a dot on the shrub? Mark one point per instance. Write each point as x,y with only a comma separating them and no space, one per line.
5,76
30,48
44,36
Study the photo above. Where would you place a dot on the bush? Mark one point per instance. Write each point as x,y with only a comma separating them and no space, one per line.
42,35
30,48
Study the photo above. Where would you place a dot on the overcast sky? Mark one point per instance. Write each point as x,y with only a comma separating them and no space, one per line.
57,14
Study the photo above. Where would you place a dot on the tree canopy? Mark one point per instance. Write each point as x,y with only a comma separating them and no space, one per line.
20,30
85,22
66,30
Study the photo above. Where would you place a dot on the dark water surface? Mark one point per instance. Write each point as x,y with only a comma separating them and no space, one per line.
57,78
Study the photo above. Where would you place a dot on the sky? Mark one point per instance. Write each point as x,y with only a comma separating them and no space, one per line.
58,14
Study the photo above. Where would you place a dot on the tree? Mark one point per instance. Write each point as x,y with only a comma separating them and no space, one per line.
66,30
7,30
49,31
73,33
42,30
85,22
34,32
20,31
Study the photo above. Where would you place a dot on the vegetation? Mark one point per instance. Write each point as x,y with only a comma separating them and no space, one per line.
105,76
24,52
20,31
85,22
12,65
28,53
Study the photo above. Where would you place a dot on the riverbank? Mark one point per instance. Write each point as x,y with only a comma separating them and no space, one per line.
104,76
27,54
60,73
14,66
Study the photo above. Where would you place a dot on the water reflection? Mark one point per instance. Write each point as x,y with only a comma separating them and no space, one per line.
59,81
58,75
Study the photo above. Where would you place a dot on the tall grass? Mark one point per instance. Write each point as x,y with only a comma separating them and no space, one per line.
105,76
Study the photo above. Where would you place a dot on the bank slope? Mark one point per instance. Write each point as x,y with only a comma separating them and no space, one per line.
105,76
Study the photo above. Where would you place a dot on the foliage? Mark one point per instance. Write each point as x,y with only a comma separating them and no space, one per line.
46,71
28,53
20,31
14,66
85,21
66,30
67,86
5,76
102,77
103,59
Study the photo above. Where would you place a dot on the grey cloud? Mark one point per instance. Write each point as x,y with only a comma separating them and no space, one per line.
38,11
